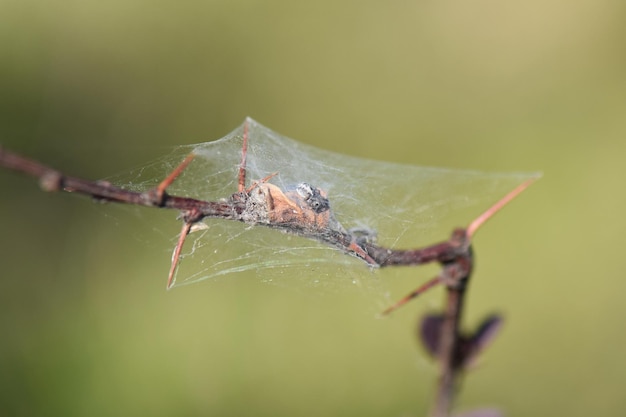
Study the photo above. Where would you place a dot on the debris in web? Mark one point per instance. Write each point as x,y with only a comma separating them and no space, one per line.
395,205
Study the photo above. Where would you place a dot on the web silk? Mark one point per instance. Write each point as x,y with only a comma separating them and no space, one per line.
402,206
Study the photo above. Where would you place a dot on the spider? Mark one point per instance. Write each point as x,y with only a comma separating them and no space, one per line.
304,210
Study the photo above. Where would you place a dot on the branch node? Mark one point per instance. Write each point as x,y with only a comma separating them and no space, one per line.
51,181
155,197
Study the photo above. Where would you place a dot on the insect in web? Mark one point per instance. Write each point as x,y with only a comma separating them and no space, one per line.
212,184
303,210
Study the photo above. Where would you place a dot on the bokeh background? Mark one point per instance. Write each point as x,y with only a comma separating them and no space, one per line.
95,88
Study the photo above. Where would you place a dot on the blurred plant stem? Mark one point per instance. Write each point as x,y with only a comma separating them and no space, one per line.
447,353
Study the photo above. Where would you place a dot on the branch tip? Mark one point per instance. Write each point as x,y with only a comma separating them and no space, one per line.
480,220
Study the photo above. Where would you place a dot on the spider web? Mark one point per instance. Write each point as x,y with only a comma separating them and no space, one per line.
406,206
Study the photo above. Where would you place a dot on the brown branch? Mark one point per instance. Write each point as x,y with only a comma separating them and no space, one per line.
449,355
53,180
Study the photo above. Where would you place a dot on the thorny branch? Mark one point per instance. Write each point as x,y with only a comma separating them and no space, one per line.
306,212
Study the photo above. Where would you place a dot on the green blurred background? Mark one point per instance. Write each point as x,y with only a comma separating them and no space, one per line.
95,88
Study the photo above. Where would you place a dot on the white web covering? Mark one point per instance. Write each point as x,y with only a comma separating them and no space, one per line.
407,206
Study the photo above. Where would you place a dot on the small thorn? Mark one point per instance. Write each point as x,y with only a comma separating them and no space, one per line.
171,278
362,253
480,220
160,189
244,154
261,181
428,285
